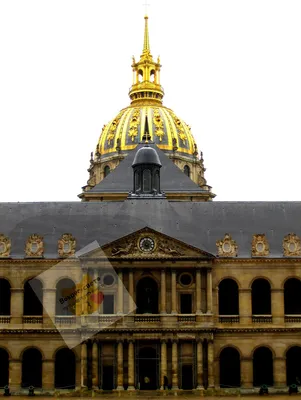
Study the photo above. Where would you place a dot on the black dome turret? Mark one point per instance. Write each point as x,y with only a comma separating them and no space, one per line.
146,166
146,155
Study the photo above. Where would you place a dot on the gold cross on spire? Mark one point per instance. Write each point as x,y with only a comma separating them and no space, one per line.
146,4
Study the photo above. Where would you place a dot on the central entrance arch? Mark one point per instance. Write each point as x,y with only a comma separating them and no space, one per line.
147,296
148,368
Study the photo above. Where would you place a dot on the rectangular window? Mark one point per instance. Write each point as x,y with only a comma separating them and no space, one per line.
108,304
186,303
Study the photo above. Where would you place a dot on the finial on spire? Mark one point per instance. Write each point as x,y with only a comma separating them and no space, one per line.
146,47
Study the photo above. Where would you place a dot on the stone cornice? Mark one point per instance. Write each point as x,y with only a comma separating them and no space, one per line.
212,261
197,330
229,260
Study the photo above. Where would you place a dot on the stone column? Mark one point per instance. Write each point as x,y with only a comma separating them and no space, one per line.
246,365
217,299
173,292
163,291
48,374
120,365
209,291
198,293
245,306
131,366
131,292
210,364
199,358
277,298
96,287
49,303
84,377
163,362
15,370
95,379
279,372
84,298
174,365
16,305
120,294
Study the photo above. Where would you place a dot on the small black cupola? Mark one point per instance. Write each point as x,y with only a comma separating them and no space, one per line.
146,166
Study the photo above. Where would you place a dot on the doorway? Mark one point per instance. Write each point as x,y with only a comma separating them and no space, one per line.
148,369
108,377
187,377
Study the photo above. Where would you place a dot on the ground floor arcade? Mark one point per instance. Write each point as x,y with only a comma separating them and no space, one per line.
151,362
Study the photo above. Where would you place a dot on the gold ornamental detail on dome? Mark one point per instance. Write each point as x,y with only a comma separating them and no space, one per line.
113,128
291,245
158,122
180,128
260,246
34,246
227,247
66,245
134,124
5,246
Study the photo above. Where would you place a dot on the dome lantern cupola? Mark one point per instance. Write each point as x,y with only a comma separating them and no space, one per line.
146,167
146,76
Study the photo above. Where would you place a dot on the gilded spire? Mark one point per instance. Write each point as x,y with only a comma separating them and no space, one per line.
146,86
146,48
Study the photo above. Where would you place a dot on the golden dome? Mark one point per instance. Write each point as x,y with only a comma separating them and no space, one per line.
127,129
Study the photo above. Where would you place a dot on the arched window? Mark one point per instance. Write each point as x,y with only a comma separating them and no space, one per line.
293,366
147,296
32,368
187,171
261,297
33,297
65,297
228,302
4,368
140,75
229,363
106,170
153,75
4,297
263,367
292,296
147,181
65,369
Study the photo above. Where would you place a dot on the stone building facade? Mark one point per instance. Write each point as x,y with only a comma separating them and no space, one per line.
191,294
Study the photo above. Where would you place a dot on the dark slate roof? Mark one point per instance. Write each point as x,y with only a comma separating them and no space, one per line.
197,223
172,178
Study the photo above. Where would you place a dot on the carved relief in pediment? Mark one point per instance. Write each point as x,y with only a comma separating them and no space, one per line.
150,244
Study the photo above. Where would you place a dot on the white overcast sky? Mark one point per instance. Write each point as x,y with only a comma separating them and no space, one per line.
230,69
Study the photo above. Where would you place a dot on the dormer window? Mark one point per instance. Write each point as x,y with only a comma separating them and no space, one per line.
106,170
187,171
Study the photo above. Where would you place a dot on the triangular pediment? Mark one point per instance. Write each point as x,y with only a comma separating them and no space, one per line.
147,243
